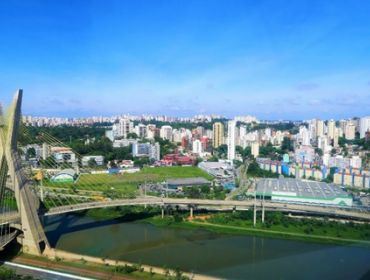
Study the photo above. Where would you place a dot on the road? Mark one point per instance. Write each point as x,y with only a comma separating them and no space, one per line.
44,269
205,203
41,273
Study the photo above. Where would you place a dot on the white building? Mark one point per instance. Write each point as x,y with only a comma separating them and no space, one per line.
125,126
166,132
323,144
197,147
151,131
331,129
123,143
141,130
304,136
320,128
305,154
364,126
231,135
146,150
255,149
312,127
246,119
155,151
99,160
350,131
109,134
356,162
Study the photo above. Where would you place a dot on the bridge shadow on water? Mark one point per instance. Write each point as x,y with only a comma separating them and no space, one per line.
57,226
11,251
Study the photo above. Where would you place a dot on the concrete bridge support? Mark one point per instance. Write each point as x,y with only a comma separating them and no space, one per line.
191,212
33,238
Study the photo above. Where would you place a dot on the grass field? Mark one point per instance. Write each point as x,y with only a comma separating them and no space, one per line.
328,232
127,183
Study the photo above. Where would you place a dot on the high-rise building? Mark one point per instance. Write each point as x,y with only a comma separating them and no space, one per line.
242,131
166,132
255,149
350,131
218,134
320,127
141,130
146,149
231,135
125,126
364,126
304,136
197,147
200,131
155,151
331,129
151,131
313,128
336,137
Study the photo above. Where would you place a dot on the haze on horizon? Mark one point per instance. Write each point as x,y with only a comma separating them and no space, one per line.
273,59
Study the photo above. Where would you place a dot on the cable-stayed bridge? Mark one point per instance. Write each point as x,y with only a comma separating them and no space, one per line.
29,191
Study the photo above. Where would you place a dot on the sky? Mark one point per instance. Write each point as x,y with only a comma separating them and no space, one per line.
273,59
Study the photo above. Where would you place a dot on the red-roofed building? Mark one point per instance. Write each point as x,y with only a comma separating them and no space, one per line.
177,159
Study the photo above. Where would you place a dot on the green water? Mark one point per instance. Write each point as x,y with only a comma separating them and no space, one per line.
200,251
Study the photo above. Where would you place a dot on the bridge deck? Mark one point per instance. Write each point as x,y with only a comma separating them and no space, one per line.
6,239
8,218
204,203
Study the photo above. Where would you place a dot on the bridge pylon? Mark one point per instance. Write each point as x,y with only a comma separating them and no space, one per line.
33,239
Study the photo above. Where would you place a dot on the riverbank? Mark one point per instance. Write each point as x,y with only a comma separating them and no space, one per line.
101,268
302,230
276,224
224,252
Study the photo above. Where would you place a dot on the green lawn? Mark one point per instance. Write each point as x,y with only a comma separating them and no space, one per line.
126,184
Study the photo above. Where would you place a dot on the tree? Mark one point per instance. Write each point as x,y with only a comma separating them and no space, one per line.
192,192
166,146
141,161
319,152
270,151
221,151
245,153
213,159
287,145
31,152
132,135
92,163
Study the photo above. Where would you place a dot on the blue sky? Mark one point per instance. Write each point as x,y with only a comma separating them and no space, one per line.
273,59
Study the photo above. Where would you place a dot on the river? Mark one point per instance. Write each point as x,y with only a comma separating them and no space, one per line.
204,252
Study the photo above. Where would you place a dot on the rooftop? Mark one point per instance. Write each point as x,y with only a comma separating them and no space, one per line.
188,181
299,188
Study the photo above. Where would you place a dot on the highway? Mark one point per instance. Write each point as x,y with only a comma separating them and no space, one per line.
206,203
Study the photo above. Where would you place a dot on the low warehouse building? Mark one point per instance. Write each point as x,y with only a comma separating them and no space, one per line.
302,191
187,182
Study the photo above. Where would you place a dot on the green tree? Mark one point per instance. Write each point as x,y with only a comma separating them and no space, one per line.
319,152
287,145
132,135
92,163
31,152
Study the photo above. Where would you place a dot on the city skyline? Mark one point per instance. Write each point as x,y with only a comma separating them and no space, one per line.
304,60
